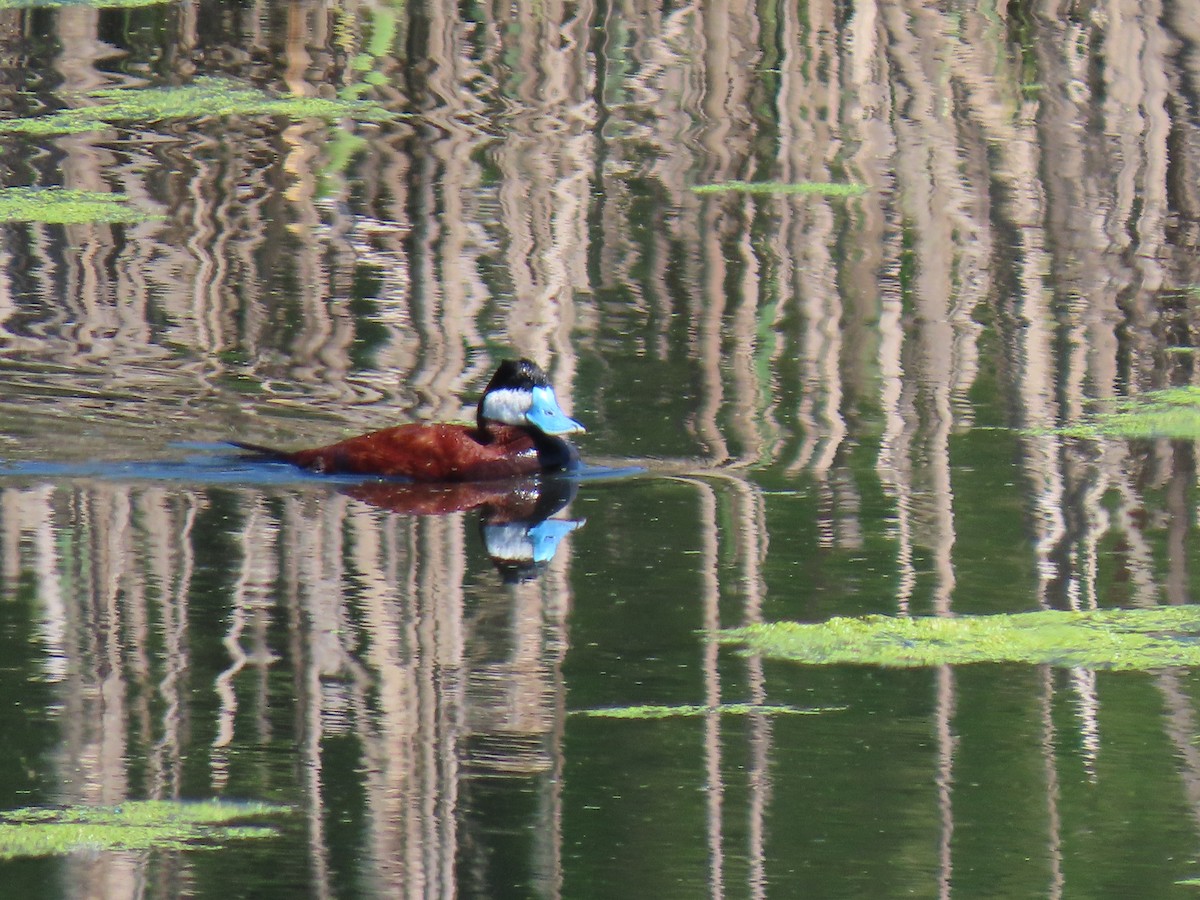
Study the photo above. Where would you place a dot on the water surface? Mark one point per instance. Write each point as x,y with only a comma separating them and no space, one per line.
817,406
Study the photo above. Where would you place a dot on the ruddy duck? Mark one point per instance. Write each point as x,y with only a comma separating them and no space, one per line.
516,432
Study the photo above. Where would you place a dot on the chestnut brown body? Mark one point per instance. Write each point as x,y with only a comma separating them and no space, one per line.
439,452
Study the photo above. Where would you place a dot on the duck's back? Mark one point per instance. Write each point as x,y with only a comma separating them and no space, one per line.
432,452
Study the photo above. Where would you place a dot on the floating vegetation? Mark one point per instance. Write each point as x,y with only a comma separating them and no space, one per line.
92,4
1169,413
676,712
60,206
206,96
817,188
137,825
1120,639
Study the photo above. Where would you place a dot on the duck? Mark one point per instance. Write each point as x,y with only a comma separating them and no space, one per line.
518,431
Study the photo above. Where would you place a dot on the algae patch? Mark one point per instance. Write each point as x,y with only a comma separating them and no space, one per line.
60,206
1169,413
206,96
91,4
137,825
1119,639
815,188
676,712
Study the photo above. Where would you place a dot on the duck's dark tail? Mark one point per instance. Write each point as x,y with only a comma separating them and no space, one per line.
258,451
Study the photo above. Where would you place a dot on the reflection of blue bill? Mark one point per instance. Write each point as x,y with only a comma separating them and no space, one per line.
520,541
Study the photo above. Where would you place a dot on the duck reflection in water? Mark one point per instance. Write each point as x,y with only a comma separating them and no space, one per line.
514,518
446,467
518,431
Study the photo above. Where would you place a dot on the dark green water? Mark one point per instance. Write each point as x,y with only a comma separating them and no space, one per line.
835,406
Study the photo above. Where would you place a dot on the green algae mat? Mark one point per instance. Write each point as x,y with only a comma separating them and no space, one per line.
1169,413
813,188
136,825
94,4
688,711
1117,639
61,206
206,96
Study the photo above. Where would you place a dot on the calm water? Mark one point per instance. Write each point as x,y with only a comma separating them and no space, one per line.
838,406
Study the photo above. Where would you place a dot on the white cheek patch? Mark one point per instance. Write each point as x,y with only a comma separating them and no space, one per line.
507,405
